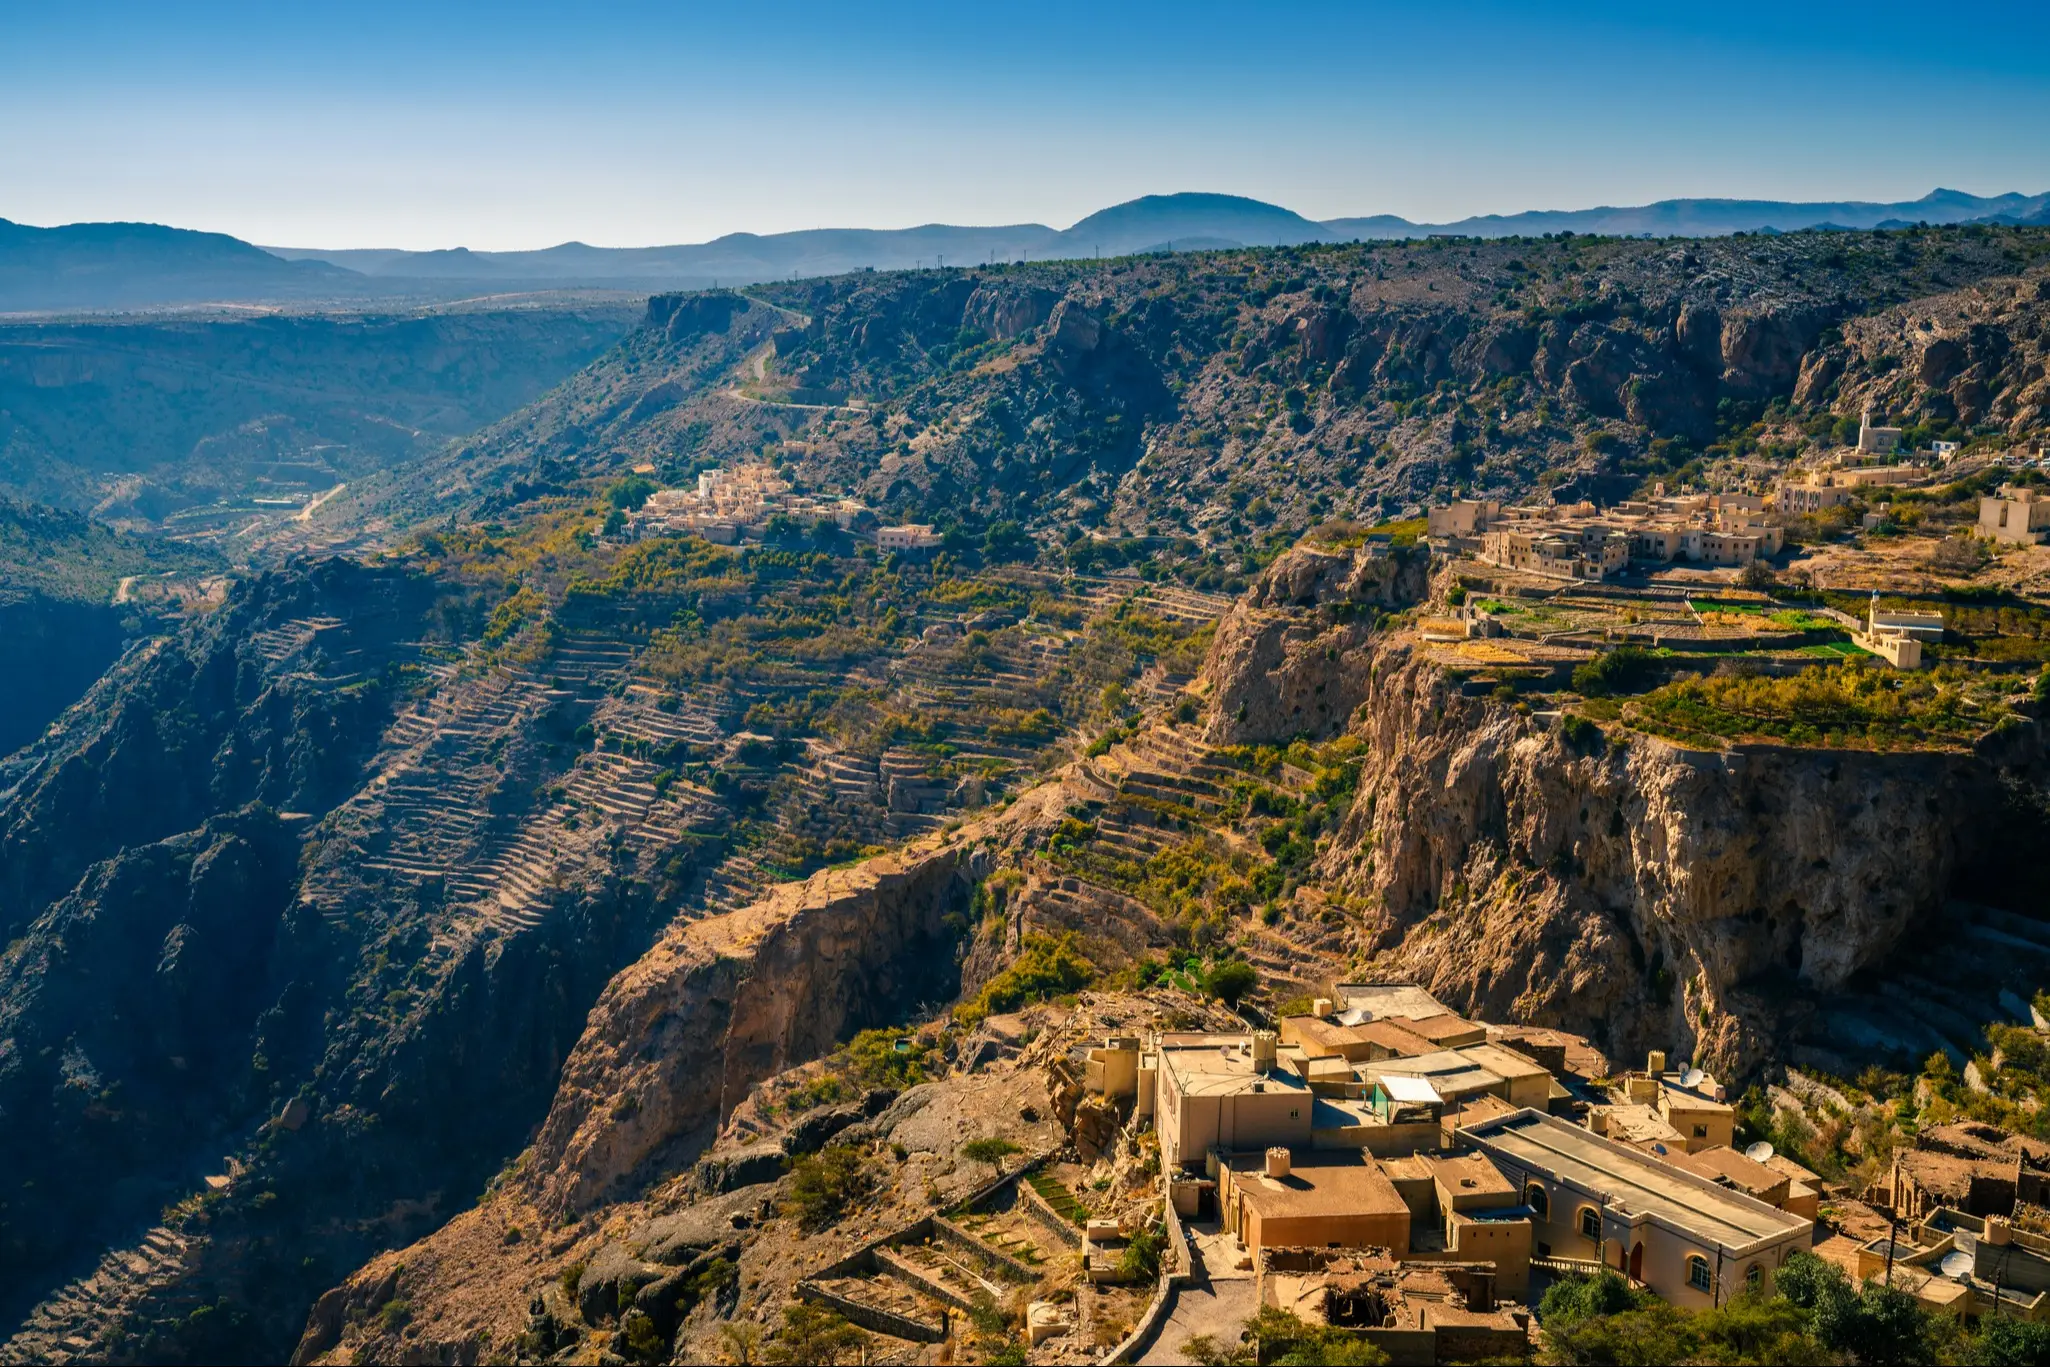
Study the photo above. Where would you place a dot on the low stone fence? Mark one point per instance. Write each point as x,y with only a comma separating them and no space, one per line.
904,1270
1056,1224
873,1317
1007,1267
1176,1269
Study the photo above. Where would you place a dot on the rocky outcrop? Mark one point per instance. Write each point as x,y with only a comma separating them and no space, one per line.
1970,356
677,1039
1289,659
681,316
1658,895
1008,311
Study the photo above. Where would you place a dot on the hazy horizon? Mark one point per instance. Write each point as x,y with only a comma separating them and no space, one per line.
436,126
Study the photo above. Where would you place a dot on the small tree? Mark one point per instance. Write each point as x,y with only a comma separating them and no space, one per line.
1231,980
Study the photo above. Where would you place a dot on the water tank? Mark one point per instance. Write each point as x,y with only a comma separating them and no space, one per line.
1322,1007
1265,1042
1656,1064
1997,1230
1277,1162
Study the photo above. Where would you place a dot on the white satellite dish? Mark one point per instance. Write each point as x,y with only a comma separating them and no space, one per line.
1956,1263
1761,1152
1694,1077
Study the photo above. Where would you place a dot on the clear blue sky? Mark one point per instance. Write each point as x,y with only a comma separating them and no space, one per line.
430,125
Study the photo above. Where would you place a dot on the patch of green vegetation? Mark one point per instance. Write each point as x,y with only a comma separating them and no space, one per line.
991,1150
1063,1201
1812,1314
825,1184
1626,669
1046,966
1288,1341
1849,706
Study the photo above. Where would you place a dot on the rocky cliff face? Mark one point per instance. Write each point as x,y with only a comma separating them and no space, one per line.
55,649
1291,658
678,1039
1662,897
717,1005
1968,356
133,1016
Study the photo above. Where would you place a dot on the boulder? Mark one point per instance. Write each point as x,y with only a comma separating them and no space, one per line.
740,1170
812,1133
610,1282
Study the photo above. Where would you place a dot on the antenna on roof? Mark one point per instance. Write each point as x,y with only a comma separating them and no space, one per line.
1761,1152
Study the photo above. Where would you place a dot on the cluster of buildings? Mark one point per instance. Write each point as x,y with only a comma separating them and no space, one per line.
1945,1225
1382,1141
1383,1164
1577,541
733,504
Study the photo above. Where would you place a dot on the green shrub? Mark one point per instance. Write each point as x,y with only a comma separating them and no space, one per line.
1046,966
991,1149
1626,669
1231,980
1140,1262
824,1184
1580,733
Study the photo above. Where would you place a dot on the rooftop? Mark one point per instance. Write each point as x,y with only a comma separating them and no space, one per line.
1439,1029
1724,1164
1633,1182
1333,1183
1410,1089
1381,1000
1221,1065
1473,1180
1450,1071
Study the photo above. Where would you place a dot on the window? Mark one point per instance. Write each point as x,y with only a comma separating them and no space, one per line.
1591,1223
1534,1197
1754,1276
1698,1274
1701,1131
1294,1113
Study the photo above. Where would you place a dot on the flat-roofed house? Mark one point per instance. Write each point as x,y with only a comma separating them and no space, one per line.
1281,1199
1693,1241
2017,514
1318,1037
1379,1001
1227,1092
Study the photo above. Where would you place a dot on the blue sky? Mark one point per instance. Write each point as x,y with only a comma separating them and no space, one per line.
514,125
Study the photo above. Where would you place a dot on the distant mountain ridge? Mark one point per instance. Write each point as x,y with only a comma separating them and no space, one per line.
110,265
128,265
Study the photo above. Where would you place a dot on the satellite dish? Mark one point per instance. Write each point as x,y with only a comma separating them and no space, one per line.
1659,1149
1761,1152
1956,1263
1694,1077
